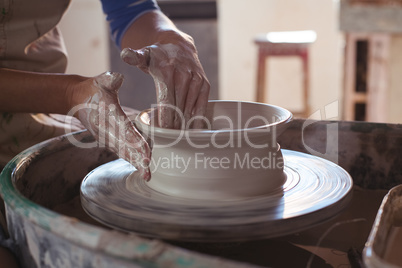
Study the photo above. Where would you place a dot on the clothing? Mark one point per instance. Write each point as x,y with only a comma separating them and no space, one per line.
121,14
31,41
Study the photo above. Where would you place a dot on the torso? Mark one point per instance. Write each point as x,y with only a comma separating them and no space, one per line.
29,38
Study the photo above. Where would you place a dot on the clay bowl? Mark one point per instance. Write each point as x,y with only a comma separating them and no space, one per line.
236,156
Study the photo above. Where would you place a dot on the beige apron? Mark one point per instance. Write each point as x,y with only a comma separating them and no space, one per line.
30,41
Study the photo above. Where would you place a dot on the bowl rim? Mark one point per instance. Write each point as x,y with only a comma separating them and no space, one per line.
168,132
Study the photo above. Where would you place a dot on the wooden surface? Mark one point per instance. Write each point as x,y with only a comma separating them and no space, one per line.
266,49
365,17
369,152
376,96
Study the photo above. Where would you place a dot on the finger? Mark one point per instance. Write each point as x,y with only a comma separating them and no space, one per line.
201,105
139,58
136,150
182,83
194,90
128,142
109,81
140,160
166,102
110,125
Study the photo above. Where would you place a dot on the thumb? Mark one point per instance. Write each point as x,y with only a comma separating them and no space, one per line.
139,58
109,81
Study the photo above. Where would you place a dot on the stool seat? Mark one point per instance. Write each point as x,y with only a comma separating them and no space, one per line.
290,37
289,43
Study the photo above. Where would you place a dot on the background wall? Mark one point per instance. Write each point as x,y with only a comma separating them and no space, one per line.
241,21
395,82
84,29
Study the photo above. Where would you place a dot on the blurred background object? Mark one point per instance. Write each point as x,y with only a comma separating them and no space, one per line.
285,44
224,32
372,88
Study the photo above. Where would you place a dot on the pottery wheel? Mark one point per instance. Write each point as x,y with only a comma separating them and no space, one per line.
315,191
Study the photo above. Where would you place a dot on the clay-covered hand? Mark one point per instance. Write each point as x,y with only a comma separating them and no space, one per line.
100,112
179,79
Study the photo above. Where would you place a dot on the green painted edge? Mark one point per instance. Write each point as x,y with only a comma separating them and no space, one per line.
41,217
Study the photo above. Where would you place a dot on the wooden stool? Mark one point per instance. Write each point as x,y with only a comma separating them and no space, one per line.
295,43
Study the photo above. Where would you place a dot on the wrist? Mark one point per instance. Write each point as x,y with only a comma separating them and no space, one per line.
173,36
152,28
176,37
75,91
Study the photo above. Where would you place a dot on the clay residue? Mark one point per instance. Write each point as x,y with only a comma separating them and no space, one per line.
393,249
73,209
102,115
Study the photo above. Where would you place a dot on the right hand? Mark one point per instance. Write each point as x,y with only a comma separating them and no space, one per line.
179,78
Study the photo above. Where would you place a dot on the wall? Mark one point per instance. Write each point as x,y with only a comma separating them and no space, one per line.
84,29
239,23
395,85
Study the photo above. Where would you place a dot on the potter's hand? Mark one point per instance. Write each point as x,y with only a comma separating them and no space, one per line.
179,79
101,113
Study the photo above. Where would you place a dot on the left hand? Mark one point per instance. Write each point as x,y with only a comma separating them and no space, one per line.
100,112
179,78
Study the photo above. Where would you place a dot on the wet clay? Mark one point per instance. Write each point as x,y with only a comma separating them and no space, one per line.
315,190
236,156
102,115
181,85
73,209
393,249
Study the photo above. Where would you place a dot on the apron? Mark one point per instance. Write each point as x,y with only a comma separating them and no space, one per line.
31,41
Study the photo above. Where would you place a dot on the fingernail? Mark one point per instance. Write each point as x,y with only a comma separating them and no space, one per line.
110,80
134,57
129,56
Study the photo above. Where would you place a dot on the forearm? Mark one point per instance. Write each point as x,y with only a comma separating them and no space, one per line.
153,27
35,92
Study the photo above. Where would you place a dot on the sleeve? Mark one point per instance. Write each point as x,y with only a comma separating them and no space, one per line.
122,13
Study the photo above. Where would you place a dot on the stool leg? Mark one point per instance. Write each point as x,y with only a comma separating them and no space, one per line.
261,70
349,78
306,81
378,77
